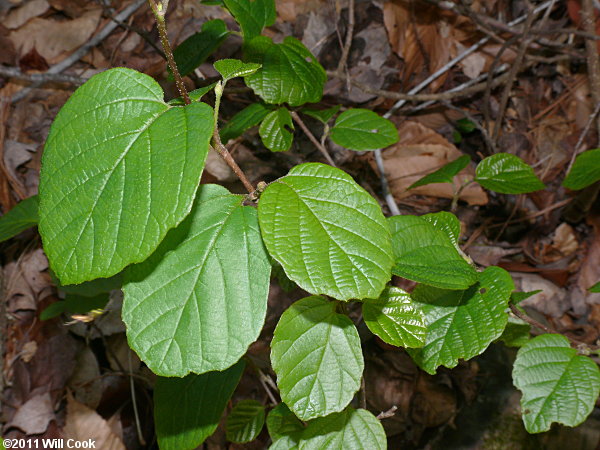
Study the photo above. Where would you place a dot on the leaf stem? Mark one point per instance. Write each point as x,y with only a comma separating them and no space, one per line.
159,9
312,138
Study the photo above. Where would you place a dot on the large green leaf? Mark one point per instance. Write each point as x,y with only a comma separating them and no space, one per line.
351,429
461,324
232,68
444,174
24,215
428,254
585,170
188,410
289,74
507,174
245,421
275,130
395,318
200,300
362,129
327,232
317,357
252,15
120,168
248,117
199,46
557,384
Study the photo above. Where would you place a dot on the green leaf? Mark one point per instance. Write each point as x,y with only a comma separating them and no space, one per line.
232,68
273,131
507,174
516,333
282,422
428,255
195,96
322,115
444,174
595,288
351,429
395,318
120,168
188,410
248,117
461,324
199,46
317,357
362,129
24,215
557,384
465,126
245,421
289,74
252,15
446,222
518,297
585,170
327,232
200,300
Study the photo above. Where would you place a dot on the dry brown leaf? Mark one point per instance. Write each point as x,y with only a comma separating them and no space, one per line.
83,423
419,152
289,10
24,13
589,274
85,382
34,415
552,301
420,35
53,39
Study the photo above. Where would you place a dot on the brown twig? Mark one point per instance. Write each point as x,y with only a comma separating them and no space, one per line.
222,150
41,78
348,42
312,138
160,10
387,414
531,321
588,19
534,215
448,95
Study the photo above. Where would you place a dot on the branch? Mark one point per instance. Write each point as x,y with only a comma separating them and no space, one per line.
160,10
348,42
312,138
531,321
41,78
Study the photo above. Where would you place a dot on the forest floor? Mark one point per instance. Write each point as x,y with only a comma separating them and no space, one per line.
525,83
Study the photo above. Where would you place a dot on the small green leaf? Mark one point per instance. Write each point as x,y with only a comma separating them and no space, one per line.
24,215
252,15
248,117
200,300
232,68
557,384
120,168
349,429
518,297
322,115
444,174
274,130
507,174
199,46
595,288
585,170
195,96
282,422
428,255
289,74
327,232
91,288
362,129
245,421
395,318
464,125
461,324
516,333
188,410
317,357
